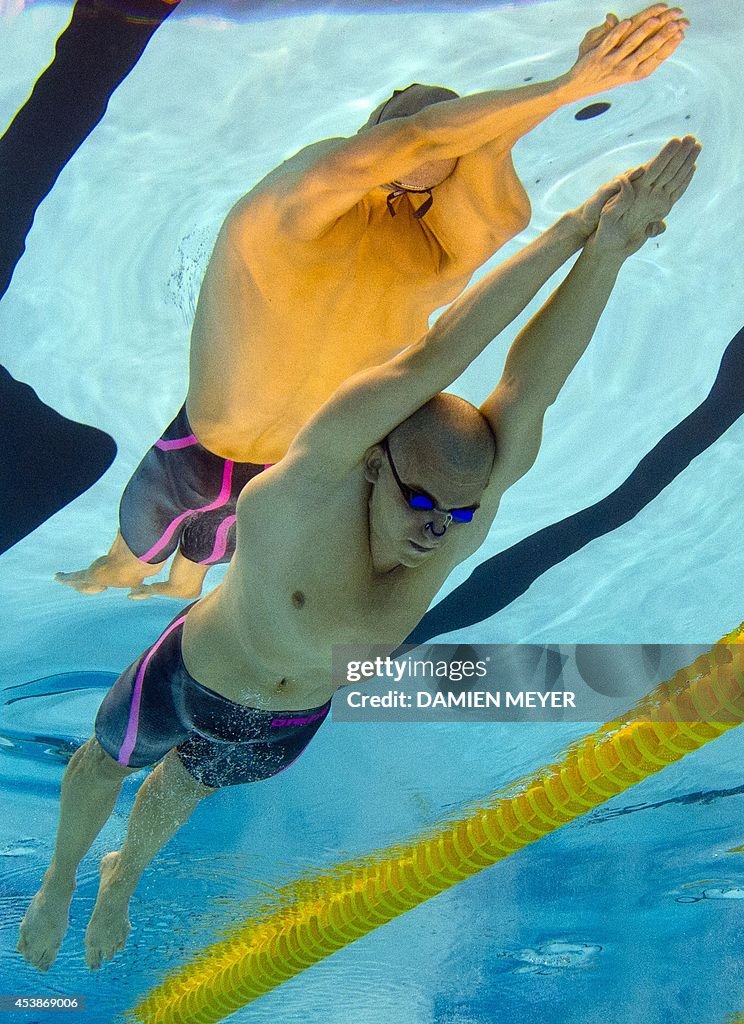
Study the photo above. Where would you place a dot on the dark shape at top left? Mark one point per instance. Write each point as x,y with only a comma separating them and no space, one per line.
46,460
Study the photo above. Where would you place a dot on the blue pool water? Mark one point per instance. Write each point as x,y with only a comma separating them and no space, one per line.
632,912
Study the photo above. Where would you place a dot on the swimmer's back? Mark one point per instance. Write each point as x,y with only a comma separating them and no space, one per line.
282,322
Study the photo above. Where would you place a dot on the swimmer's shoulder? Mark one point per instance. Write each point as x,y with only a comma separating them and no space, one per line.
283,181
264,213
300,484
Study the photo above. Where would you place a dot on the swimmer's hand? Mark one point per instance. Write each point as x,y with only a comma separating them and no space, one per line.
618,52
636,212
585,218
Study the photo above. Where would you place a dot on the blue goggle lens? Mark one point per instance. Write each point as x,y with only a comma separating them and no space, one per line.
421,501
460,515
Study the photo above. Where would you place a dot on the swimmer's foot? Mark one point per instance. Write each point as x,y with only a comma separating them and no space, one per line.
109,926
83,581
165,589
107,571
45,924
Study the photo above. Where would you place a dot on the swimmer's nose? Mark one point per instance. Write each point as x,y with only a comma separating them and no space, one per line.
437,527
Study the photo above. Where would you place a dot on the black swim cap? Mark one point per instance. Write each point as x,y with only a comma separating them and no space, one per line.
416,97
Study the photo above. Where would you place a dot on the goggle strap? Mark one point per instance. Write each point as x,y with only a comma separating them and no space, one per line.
425,206
422,210
391,199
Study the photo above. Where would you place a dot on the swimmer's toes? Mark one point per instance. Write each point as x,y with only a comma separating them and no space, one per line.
92,953
79,581
166,589
44,925
96,957
42,959
46,961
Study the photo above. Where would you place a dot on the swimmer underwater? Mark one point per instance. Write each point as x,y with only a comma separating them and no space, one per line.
372,233
386,489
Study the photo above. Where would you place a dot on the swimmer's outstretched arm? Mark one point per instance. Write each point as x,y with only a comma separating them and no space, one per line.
371,403
625,212
321,183
615,53
549,347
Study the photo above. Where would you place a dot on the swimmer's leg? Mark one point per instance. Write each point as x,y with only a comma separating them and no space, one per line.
90,787
164,803
119,568
185,580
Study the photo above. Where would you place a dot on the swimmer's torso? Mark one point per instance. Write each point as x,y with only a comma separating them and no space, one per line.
282,322
300,582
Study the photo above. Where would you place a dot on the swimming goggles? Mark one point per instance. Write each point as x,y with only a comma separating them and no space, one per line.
398,192
420,500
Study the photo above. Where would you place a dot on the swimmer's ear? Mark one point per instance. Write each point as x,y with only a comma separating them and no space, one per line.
373,459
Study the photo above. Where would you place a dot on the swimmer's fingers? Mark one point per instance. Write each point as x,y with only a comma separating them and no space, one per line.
595,35
611,54
653,11
647,65
654,50
669,159
651,18
656,165
680,167
630,32
681,185
647,39
637,50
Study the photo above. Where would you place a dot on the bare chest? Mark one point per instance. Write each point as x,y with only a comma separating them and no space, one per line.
324,593
290,597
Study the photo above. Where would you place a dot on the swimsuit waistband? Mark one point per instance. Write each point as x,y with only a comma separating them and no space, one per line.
279,718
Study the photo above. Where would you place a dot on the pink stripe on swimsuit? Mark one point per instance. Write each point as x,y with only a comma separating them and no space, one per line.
221,499
130,737
176,443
